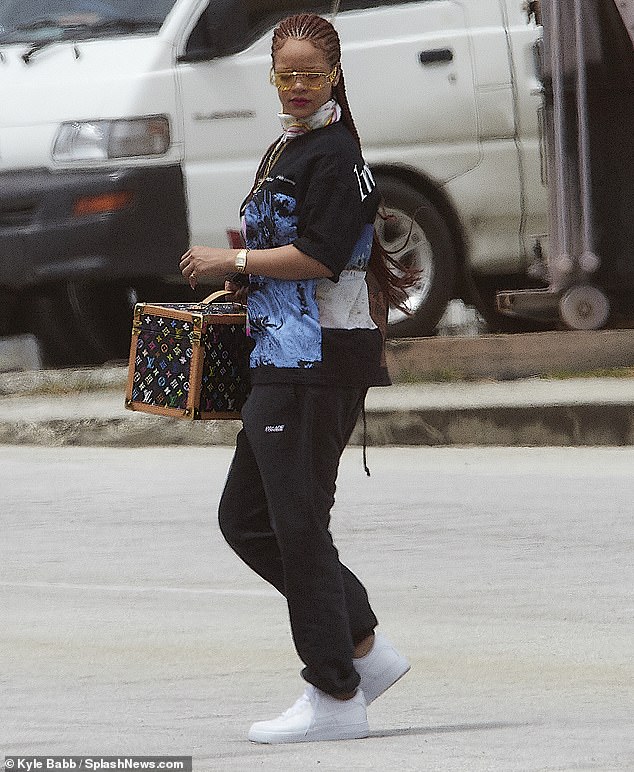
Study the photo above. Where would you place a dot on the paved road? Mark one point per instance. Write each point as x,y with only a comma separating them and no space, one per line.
506,575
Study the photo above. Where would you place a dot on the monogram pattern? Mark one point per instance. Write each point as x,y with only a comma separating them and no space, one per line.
225,379
162,368
163,362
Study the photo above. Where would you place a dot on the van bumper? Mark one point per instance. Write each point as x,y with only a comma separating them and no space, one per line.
107,224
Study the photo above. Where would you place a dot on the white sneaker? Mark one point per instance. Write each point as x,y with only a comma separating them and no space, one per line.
380,668
315,716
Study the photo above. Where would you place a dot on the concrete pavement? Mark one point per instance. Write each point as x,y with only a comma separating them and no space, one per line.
504,574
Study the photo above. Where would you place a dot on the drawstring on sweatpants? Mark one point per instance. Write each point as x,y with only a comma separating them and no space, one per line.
365,439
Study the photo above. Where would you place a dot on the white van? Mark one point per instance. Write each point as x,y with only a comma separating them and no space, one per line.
130,129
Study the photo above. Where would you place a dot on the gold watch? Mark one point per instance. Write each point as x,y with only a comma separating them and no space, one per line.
241,260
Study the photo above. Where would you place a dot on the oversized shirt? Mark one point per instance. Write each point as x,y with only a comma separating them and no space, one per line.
319,196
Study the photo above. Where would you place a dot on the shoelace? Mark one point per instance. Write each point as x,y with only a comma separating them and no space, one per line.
299,704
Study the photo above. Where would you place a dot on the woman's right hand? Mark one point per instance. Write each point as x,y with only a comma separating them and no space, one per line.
239,291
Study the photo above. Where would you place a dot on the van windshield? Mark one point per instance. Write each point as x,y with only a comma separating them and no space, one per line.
45,20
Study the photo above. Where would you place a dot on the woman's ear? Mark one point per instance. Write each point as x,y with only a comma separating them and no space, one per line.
337,76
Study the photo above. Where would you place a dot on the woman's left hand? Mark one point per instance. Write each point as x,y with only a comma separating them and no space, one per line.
203,262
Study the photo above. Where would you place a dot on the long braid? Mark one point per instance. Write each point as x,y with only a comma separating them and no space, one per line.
393,278
339,92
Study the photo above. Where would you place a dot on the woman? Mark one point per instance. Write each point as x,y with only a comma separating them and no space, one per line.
315,314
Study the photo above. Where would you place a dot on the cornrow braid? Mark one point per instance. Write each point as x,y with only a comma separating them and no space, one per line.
321,33
339,93
393,278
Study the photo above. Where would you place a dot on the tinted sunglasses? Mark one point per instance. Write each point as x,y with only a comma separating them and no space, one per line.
284,81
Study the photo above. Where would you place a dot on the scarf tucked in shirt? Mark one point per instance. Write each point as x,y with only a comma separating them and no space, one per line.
328,113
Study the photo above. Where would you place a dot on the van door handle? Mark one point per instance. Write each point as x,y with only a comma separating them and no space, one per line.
435,55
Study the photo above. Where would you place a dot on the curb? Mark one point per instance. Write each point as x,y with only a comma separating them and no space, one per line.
134,432
84,407
520,426
55,382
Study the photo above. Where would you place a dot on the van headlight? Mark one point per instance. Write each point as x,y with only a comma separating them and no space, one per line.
105,140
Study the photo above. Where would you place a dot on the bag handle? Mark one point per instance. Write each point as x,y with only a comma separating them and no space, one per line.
215,295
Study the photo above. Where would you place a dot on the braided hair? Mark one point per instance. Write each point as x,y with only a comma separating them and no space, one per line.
393,278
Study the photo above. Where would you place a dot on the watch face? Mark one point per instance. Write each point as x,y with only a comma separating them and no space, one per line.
241,260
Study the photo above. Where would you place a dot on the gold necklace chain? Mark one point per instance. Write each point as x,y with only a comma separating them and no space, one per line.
275,154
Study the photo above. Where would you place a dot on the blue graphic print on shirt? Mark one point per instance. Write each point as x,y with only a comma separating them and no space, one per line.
360,258
283,315
270,220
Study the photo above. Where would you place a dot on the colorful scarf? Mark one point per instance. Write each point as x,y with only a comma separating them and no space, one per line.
294,127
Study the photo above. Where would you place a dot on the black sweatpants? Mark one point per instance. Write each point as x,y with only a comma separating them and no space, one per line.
275,513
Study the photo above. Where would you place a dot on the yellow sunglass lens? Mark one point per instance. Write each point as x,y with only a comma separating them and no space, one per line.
312,80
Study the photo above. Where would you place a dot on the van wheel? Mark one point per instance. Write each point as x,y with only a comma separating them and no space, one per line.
83,323
9,309
429,249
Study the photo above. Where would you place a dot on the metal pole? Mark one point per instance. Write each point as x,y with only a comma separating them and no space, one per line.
588,260
561,261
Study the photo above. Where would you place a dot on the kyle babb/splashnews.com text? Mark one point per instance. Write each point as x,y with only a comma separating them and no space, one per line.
32,763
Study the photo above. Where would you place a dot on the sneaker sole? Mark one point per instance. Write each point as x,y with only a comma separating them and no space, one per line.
324,733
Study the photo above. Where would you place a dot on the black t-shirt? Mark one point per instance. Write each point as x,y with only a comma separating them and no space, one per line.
320,196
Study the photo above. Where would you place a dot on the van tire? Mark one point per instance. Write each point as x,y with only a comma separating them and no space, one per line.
430,249
9,313
83,323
